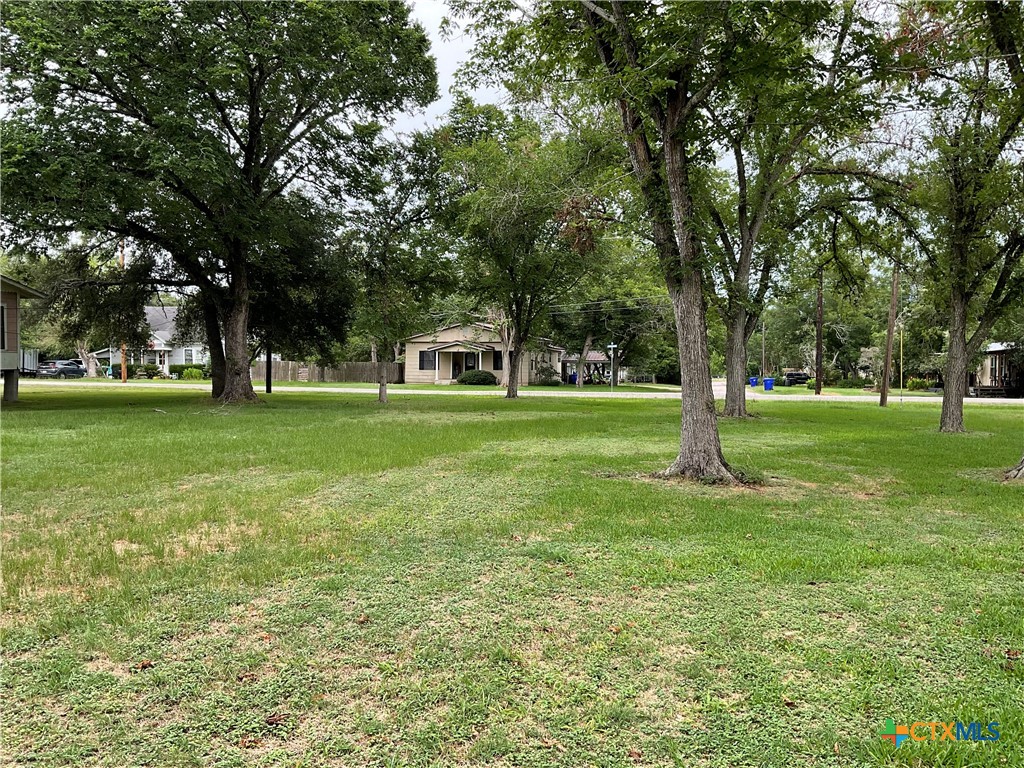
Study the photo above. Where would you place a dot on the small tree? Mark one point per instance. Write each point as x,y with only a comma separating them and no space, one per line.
525,225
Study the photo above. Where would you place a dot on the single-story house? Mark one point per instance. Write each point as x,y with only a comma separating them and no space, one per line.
441,356
11,294
998,375
161,349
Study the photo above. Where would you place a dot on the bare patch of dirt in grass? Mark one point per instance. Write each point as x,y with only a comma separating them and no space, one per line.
103,664
214,537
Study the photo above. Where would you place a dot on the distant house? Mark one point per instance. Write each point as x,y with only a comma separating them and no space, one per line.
441,356
597,366
161,350
998,375
11,294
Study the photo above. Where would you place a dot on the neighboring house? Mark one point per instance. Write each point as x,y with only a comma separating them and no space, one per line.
998,374
161,349
597,365
11,294
441,356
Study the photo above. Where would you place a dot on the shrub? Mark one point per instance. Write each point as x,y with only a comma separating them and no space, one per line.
485,378
180,369
208,371
810,383
151,370
192,374
915,385
547,376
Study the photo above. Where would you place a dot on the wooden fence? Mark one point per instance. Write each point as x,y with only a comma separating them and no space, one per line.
286,370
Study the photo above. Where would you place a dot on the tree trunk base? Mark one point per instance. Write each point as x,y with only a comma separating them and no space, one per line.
718,474
239,398
1017,473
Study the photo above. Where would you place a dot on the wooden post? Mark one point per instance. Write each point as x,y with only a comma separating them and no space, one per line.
11,386
270,370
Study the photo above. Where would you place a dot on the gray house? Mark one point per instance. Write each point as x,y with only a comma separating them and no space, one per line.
161,349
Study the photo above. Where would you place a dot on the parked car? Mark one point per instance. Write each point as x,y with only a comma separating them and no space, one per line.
794,378
60,369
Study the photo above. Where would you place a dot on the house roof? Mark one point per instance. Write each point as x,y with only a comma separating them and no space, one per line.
161,322
1000,346
593,356
461,346
484,326
9,284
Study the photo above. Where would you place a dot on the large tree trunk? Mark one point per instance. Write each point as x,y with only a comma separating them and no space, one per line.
736,364
214,341
237,380
890,335
373,351
955,386
700,449
515,360
382,381
581,365
1017,473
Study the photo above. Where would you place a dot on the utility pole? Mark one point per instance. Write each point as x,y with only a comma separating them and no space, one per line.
611,354
124,350
764,367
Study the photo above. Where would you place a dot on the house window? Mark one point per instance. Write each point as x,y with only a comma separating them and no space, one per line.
188,356
428,361
470,361
497,360
3,326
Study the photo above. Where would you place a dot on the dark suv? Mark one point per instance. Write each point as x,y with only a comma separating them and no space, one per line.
794,378
60,369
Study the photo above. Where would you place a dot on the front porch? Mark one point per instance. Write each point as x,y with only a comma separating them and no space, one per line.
454,359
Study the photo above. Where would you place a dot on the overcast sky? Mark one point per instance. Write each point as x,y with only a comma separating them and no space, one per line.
449,55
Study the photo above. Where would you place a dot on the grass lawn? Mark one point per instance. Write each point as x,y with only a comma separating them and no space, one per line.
894,394
322,581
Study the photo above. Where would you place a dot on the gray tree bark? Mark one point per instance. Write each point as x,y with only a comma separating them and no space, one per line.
237,379
736,365
890,335
515,361
382,381
581,365
954,388
218,363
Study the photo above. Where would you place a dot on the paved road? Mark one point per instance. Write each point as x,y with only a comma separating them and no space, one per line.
652,394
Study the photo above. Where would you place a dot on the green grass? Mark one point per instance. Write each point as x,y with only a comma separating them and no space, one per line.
894,394
321,581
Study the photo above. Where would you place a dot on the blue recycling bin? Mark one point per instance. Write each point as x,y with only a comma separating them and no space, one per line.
769,384
753,381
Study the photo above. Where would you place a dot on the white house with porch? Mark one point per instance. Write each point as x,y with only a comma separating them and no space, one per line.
161,350
441,356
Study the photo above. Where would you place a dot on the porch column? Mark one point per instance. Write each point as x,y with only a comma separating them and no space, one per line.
11,386
437,367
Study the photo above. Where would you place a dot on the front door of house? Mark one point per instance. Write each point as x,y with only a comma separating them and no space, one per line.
456,364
